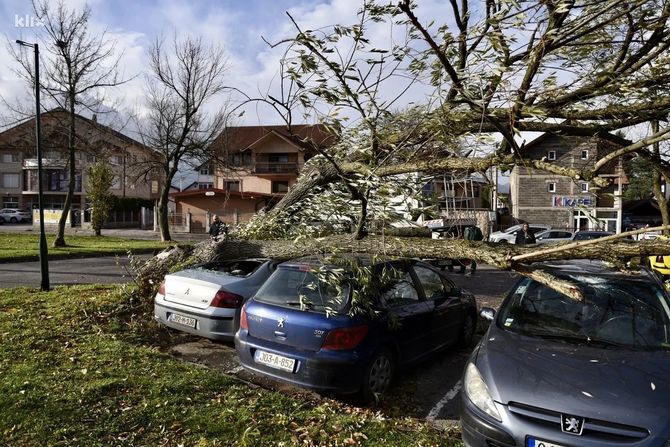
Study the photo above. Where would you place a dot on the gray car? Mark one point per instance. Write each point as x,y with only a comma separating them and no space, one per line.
206,299
554,371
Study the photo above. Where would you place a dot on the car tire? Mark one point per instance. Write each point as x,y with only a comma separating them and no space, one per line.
468,329
12,219
377,376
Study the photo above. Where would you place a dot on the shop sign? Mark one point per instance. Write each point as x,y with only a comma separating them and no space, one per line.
571,201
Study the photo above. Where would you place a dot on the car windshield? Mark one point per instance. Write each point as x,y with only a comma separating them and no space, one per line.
629,312
300,286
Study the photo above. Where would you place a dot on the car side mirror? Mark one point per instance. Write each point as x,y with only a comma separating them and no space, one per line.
487,313
456,292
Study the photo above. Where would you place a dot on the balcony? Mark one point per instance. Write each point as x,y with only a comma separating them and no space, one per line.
275,168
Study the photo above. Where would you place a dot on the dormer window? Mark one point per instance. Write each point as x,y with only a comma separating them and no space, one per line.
585,154
551,155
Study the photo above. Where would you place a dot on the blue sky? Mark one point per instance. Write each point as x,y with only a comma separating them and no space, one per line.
236,25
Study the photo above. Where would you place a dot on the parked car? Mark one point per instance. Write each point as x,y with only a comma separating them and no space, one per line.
553,236
302,326
509,235
660,264
14,215
556,371
206,299
585,235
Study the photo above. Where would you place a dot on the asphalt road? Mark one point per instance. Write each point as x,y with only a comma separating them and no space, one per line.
107,269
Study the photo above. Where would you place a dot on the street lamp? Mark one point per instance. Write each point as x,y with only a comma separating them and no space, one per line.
44,262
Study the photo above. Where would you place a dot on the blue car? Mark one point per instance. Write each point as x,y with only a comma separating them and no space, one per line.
302,328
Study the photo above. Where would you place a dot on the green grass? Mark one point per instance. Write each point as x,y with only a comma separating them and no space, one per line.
84,366
21,247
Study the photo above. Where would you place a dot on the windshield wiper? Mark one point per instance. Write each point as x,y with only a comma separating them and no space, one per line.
583,339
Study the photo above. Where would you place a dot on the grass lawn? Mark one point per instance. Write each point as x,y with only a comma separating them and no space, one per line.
17,247
84,366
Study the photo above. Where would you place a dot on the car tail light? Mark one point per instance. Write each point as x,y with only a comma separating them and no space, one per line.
161,288
345,338
244,323
227,300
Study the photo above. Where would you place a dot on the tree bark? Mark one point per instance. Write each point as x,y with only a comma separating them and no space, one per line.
59,241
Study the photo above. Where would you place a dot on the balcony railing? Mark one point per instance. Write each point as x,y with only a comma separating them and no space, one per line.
276,168
31,163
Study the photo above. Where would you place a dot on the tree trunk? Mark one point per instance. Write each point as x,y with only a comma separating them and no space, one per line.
657,183
163,223
59,241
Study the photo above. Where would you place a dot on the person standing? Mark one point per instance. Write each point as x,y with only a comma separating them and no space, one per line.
472,233
524,236
217,228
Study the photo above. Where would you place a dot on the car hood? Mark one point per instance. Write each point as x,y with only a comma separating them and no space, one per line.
615,385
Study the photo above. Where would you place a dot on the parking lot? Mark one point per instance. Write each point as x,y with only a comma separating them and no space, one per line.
429,390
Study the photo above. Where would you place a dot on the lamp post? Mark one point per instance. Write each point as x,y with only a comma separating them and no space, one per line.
44,262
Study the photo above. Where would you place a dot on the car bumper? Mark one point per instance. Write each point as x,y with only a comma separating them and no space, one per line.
479,430
322,371
216,327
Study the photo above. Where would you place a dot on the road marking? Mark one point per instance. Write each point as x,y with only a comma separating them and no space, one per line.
435,411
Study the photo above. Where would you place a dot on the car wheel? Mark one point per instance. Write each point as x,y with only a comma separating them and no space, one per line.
377,376
467,330
12,220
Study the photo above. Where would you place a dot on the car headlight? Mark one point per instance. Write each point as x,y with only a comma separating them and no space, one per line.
478,392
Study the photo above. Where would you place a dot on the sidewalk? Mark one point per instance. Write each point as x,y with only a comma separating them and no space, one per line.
123,233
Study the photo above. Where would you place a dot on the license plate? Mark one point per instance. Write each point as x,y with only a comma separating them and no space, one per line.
532,442
180,319
274,361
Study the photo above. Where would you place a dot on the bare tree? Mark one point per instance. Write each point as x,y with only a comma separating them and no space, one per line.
79,65
185,79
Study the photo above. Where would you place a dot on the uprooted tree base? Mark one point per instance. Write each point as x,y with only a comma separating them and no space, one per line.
504,257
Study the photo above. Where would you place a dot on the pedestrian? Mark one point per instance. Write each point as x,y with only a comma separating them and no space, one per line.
524,236
217,228
473,233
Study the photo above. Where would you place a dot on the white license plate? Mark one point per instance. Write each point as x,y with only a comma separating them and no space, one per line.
532,442
274,361
180,319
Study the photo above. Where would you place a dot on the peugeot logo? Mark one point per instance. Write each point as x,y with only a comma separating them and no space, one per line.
572,424
280,322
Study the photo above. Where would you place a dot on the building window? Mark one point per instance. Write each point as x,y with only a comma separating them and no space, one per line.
116,159
10,180
243,159
205,185
204,170
116,183
278,158
280,187
90,158
10,202
10,158
584,187
551,155
232,186
154,186
551,187
585,154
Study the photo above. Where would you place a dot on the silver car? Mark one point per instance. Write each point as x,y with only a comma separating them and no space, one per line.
553,236
13,215
555,371
206,300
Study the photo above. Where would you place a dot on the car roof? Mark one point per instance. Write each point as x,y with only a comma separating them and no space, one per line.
588,266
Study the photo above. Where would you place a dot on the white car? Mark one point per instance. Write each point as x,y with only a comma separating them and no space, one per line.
206,299
13,215
509,235
552,236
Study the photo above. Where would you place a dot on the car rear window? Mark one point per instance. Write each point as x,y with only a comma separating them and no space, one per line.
631,312
302,287
233,268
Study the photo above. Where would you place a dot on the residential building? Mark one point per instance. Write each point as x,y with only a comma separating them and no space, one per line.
545,198
95,142
260,165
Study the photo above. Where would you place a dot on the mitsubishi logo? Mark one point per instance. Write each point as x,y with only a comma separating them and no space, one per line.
187,291
280,322
572,424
